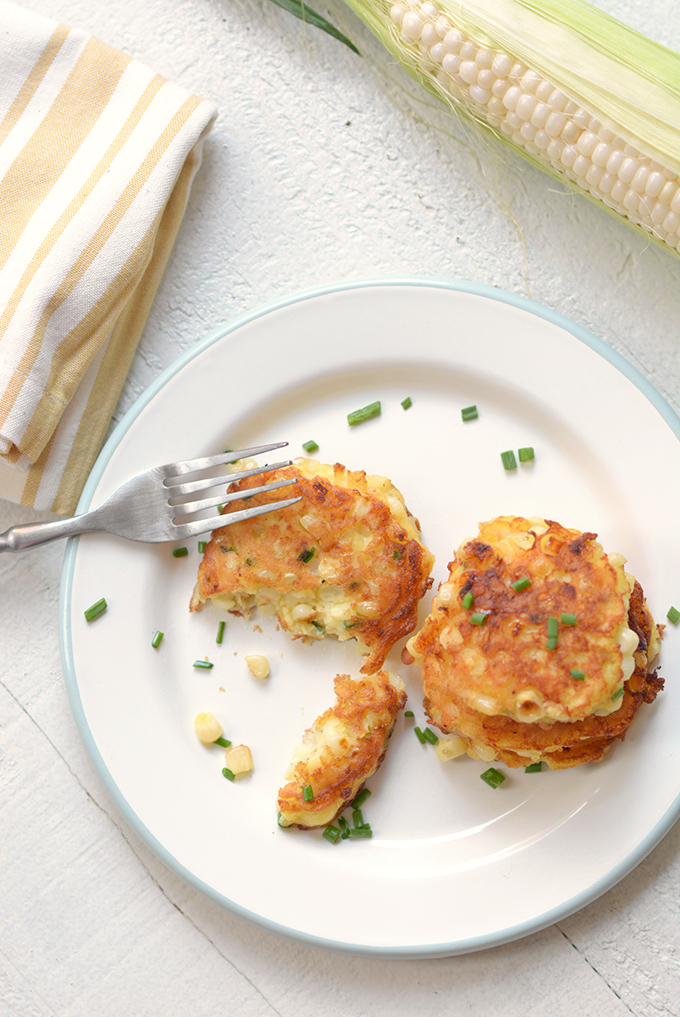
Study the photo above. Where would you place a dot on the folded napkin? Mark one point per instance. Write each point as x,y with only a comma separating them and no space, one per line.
97,156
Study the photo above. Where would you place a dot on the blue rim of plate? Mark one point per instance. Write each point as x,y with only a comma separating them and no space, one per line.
512,933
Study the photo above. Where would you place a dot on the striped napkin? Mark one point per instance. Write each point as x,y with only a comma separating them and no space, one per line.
97,156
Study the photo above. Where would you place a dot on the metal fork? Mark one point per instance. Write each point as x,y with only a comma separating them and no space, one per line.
148,507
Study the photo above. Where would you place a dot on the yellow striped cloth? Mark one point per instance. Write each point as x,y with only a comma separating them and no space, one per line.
97,156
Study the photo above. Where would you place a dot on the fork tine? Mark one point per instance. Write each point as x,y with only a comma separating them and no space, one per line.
206,462
188,508
176,490
203,525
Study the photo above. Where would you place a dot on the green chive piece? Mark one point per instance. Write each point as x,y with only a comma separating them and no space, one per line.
306,555
308,793
180,552
157,640
202,544
351,625
96,609
508,459
568,619
407,403
357,818
673,615
479,617
310,446
224,742
344,826
525,454
409,713
521,584
365,413
533,768
468,600
493,777
469,413
226,772
551,643
618,693
430,736
577,675
420,735
203,663
552,627
360,831
220,632
332,834
361,798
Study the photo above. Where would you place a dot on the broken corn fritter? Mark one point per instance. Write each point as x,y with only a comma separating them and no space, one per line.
341,750
537,647
347,560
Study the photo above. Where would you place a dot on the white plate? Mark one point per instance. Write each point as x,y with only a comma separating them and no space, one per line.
453,865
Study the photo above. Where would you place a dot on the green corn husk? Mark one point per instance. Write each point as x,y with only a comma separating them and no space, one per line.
614,75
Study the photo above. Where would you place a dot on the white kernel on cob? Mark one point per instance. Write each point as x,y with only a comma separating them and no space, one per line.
585,98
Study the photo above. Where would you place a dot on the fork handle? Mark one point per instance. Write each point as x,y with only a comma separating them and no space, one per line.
18,538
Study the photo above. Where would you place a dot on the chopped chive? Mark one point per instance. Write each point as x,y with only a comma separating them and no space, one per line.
479,617
420,735
310,446
533,767
220,632
407,403
332,834
365,413
618,693
202,544
351,625
357,818
344,826
553,629
226,772
525,454
577,675
468,600
317,625
409,713
224,742
180,552
308,793
568,619
508,459
361,798
219,509
157,639
203,663
93,612
361,831
306,555
673,615
521,584
493,777
469,413
430,736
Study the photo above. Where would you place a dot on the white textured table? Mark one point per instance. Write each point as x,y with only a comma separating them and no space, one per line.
313,174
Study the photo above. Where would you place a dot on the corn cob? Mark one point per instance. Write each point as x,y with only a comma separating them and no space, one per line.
615,139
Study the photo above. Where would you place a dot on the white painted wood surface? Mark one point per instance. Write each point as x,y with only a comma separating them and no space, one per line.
317,171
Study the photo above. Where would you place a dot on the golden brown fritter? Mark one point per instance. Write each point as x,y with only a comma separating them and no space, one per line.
494,674
341,750
347,560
